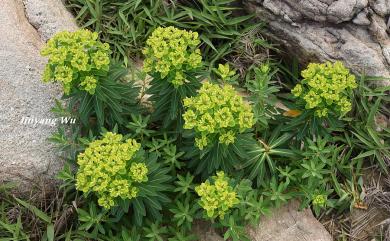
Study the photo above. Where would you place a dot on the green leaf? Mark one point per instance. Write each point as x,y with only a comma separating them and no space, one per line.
43,216
207,41
139,211
50,232
282,139
99,111
239,20
282,152
373,111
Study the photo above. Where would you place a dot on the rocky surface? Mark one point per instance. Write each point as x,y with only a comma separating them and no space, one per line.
354,31
25,152
284,224
205,232
287,223
48,17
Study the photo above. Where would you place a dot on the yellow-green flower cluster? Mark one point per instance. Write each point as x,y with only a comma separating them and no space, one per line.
324,88
170,52
319,200
218,197
139,171
73,59
107,168
217,114
89,84
225,72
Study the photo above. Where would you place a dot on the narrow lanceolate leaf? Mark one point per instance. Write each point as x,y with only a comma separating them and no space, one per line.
139,211
239,20
366,142
257,166
374,136
282,152
50,232
36,211
99,111
271,164
285,137
381,161
208,41
253,158
154,203
364,154
373,111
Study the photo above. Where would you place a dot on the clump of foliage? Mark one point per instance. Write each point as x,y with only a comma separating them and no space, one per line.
370,132
219,26
76,60
325,88
262,89
217,114
126,26
111,168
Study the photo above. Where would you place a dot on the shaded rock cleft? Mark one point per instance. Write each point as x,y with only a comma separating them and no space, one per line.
353,31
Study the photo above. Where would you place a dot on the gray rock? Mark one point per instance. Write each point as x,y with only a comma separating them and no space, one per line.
48,17
26,154
353,31
288,224
285,224
361,19
381,7
344,10
205,232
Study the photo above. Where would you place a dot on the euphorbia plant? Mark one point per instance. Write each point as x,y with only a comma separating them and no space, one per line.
121,174
322,97
77,60
82,64
219,117
173,59
218,197
325,88
230,204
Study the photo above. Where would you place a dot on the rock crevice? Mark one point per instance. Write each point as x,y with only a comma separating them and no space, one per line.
354,31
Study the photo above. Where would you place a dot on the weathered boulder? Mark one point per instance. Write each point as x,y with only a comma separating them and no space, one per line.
287,223
25,152
205,232
284,223
48,17
353,31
